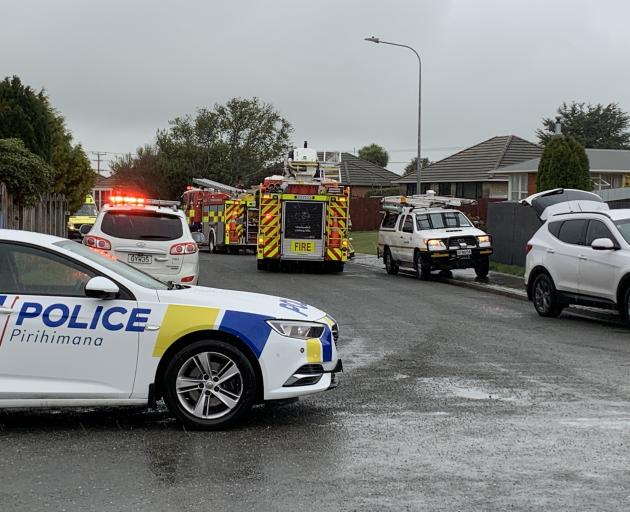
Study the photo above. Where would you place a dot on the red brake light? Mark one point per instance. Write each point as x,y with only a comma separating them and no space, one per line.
187,279
96,242
185,248
528,248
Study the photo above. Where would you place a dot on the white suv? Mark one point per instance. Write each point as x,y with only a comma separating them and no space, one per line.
426,239
580,255
150,235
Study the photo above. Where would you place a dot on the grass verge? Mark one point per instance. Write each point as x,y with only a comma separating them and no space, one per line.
515,270
364,241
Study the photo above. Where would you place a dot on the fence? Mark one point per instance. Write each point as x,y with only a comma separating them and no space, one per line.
511,226
48,216
365,213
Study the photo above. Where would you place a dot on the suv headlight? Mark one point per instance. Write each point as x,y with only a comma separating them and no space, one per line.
484,240
436,245
297,328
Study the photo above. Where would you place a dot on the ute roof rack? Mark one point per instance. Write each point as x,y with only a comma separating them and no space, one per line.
419,201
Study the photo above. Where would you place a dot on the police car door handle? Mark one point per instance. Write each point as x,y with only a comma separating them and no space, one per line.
6,311
152,328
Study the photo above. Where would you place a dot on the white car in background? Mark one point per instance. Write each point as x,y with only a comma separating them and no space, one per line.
580,255
152,235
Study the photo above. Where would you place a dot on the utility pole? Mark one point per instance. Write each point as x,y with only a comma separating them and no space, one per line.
98,160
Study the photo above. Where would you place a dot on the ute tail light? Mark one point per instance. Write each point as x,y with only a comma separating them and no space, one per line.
96,242
528,248
185,248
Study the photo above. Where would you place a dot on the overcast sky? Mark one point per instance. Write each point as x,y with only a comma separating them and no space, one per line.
119,70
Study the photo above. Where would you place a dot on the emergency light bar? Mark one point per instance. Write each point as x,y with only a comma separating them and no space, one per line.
119,200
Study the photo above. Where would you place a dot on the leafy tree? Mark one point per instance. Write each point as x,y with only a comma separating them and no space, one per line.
564,164
24,115
593,126
410,168
26,175
231,143
73,174
29,116
375,154
142,172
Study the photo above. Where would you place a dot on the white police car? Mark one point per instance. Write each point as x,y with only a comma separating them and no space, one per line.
80,328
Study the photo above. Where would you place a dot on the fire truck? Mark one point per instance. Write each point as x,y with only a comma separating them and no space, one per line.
304,214
227,216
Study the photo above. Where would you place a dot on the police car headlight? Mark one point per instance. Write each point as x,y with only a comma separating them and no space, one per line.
436,245
297,329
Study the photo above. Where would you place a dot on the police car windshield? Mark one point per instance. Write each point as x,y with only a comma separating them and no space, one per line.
127,271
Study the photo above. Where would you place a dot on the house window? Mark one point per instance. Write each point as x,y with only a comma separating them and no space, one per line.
444,189
518,187
604,181
469,190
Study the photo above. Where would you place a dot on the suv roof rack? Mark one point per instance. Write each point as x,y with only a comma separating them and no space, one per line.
590,212
428,200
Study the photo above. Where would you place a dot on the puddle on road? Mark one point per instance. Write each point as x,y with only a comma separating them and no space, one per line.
469,390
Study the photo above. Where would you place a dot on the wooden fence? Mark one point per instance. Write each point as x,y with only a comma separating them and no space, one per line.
48,216
364,213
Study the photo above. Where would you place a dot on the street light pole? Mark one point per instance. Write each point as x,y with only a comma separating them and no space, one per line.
418,162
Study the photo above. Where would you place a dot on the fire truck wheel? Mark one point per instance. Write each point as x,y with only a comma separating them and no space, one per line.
261,264
334,267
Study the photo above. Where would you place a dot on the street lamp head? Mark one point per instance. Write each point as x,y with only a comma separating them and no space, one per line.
372,39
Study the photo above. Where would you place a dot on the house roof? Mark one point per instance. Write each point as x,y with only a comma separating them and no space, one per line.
600,160
478,162
108,182
358,172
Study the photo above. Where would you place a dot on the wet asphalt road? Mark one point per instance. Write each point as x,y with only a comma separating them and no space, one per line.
452,399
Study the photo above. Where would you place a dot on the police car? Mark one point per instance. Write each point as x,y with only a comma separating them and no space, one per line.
150,234
81,328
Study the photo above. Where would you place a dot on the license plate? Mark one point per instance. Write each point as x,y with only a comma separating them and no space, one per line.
142,259
308,247
464,252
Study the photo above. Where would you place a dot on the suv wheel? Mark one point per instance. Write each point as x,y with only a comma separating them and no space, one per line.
482,267
625,306
544,296
390,264
209,385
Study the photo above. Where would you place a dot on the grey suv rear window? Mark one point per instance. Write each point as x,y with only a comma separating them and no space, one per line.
142,225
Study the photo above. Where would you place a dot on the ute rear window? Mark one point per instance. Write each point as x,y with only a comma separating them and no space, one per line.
142,225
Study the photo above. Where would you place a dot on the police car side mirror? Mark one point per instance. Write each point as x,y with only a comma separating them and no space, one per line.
84,229
101,288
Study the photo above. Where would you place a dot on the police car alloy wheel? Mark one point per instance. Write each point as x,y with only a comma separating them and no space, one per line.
544,294
209,384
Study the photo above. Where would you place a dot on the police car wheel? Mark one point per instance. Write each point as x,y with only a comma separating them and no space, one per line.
209,384
390,265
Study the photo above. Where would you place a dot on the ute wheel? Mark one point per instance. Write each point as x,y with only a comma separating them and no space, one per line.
390,264
209,385
545,297
482,267
423,269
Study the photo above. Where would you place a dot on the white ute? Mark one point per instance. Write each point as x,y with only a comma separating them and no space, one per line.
421,233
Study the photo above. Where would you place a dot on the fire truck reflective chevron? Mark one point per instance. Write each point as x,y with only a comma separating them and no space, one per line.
113,335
